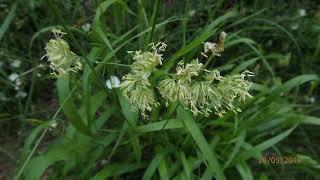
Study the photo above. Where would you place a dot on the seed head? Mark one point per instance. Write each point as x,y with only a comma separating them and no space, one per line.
135,86
62,59
209,92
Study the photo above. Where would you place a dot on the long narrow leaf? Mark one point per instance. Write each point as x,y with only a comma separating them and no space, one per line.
201,142
69,107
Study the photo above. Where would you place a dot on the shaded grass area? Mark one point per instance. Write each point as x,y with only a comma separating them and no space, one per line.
76,128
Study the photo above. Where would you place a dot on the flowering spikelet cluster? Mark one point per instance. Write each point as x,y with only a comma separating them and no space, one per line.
62,60
136,86
194,87
203,91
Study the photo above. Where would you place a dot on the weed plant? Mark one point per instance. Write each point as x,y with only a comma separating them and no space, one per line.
107,102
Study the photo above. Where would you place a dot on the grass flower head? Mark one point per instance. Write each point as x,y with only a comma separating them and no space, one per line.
135,85
62,59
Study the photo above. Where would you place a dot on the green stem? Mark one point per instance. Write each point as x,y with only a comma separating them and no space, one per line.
31,153
153,21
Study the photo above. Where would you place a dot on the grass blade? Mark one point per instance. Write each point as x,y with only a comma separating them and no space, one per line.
5,25
201,142
115,170
161,125
69,107
254,151
153,166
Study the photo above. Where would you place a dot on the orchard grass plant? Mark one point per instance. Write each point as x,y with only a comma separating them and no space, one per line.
123,89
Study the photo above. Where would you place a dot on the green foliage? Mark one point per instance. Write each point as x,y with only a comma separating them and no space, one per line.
76,127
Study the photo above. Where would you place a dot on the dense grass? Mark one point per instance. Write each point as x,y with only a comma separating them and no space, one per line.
74,127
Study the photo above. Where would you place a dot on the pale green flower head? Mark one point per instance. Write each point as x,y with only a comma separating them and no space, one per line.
186,71
208,93
200,90
169,89
62,59
146,62
135,86
137,89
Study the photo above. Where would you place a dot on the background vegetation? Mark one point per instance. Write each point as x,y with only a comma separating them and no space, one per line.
77,128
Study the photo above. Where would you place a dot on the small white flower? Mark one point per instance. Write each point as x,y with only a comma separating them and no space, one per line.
13,76
192,12
294,26
302,12
21,94
86,27
39,75
113,82
16,64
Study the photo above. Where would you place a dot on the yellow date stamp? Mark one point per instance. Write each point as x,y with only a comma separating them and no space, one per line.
279,160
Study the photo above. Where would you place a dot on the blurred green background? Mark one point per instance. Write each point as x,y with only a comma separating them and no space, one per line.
42,131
